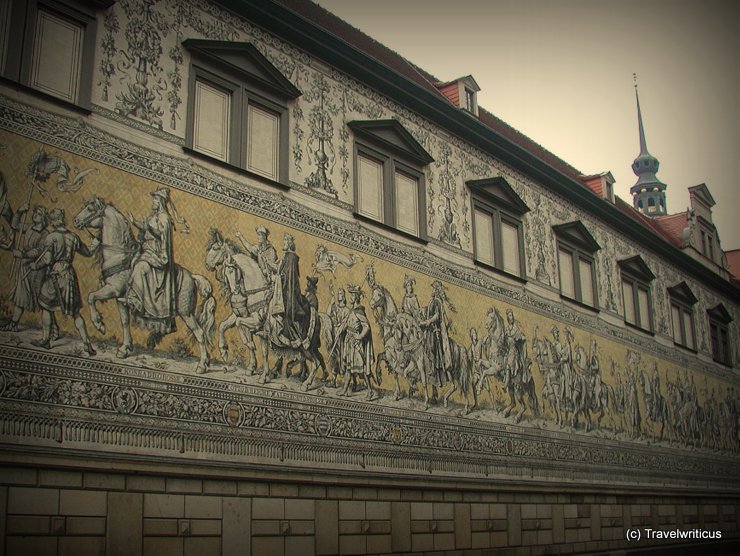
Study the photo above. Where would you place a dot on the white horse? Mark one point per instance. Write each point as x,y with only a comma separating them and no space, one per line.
117,249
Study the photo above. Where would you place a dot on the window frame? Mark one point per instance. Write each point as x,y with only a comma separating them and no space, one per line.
636,273
719,334
496,198
575,240
387,143
22,37
683,300
254,83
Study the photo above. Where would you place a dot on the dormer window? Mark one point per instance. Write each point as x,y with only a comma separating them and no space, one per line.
462,93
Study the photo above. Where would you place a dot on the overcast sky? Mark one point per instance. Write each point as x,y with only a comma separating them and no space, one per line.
560,71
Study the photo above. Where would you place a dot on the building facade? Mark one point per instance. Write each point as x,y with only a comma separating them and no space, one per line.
270,287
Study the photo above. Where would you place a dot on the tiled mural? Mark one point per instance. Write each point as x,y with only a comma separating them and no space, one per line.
150,268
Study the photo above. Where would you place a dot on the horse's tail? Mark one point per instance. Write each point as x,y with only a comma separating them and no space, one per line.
205,313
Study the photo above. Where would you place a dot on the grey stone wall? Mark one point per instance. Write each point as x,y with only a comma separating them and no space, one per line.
55,511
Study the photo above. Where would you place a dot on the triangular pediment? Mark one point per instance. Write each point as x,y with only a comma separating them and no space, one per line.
577,234
244,61
498,191
701,192
682,292
719,313
636,267
393,136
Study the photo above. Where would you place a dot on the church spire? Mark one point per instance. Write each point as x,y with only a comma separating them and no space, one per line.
648,193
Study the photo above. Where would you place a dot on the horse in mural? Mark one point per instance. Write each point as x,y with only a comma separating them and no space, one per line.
580,388
117,249
656,405
403,344
234,269
254,314
506,360
687,415
549,365
460,375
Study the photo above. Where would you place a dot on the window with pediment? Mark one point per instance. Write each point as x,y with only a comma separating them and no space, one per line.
682,315
636,293
719,333
576,255
48,46
238,108
498,234
389,176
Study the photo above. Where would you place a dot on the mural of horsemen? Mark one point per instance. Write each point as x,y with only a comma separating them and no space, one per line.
374,333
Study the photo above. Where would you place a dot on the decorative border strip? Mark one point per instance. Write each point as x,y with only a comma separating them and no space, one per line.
112,407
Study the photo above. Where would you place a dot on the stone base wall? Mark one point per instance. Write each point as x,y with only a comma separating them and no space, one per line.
93,509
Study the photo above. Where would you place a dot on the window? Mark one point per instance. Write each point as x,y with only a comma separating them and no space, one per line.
238,112
636,296
719,333
389,180
498,239
682,316
469,100
707,241
576,250
48,45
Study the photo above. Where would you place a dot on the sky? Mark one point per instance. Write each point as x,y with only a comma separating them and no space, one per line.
561,72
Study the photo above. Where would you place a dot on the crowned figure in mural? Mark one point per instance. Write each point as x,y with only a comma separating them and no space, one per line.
437,338
60,289
289,306
358,353
263,252
151,294
410,303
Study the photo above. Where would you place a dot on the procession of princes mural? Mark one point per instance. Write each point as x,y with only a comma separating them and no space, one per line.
256,311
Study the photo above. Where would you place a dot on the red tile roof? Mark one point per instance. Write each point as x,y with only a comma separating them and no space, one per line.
733,261
359,40
673,226
670,228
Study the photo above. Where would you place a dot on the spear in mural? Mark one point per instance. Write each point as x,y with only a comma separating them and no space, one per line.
18,239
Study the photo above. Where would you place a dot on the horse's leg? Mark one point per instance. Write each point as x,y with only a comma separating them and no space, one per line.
309,379
451,390
103,294
199,335
127,346
225,325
